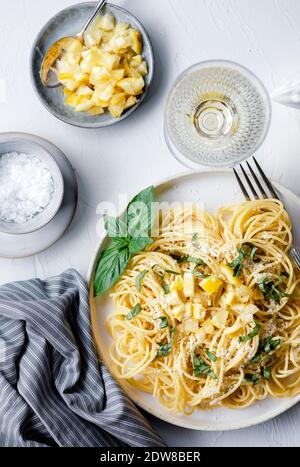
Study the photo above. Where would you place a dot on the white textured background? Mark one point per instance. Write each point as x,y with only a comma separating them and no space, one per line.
261,34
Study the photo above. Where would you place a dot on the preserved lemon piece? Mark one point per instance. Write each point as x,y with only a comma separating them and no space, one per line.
220,318
136,40
132,86
227,272
211,284
107,69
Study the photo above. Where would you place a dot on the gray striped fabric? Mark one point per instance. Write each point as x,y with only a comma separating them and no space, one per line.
53,391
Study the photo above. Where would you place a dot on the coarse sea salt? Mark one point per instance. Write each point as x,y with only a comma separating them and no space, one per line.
26,187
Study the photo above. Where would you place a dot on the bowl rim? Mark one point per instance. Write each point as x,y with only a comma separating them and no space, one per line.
19,136
89,125
182,158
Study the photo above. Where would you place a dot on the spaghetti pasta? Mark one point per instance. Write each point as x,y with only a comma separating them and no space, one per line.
216,305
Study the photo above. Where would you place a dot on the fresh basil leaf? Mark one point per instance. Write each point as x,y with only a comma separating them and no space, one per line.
238,263
139,278
158,271
140,214
257,357
252,377
271,291
201,368
197,261
188,259
199,274
166,288
266,373
247,250
115,258
115,227
271,344
211,356
112,264
165,349
164,322
133,313
139,244
252,334
169,271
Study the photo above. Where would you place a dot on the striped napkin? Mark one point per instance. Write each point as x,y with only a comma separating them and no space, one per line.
53,391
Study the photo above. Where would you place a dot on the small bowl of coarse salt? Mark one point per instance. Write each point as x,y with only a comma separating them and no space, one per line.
31,185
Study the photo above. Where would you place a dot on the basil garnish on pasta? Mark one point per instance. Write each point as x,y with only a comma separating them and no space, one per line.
252,334
165,349
271,290
133,313
247,250
201,368
139,278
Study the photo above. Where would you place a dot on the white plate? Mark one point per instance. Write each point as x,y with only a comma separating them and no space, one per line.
213,189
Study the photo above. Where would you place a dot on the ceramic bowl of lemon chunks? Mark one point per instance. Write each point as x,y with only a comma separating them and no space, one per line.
103,79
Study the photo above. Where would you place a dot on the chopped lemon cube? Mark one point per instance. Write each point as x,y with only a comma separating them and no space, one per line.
131,101
228,298
211,284
107,22
208,327
72,100
99,73
121,27
133,86
200,336
246,312
174,298
191,325
188,284
120,43
92,37
136,40
178,312
117,75
177,284
84,91
188,309
84,105
243,293
234,329
220,318
117,110
94,111
198,311
228,275
107,94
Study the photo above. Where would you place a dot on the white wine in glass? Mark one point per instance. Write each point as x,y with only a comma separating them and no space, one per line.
217,114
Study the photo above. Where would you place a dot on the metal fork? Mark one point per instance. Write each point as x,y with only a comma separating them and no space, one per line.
255,187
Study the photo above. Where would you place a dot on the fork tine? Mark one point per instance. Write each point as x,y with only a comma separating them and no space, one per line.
249,182
266,180
261,188
244,191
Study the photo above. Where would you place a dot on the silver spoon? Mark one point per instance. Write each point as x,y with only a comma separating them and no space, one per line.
48,74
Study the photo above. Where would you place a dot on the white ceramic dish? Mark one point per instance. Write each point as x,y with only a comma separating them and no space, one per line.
213,189
21,143
21,246
67,23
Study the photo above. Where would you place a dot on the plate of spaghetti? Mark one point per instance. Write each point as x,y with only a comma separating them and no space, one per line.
195,303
